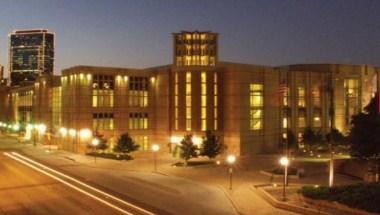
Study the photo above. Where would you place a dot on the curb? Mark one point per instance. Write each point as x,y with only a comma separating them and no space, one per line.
282,205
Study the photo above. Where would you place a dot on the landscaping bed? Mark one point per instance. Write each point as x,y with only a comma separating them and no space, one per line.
110,156
360,196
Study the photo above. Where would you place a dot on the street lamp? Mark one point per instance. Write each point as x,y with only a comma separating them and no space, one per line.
95,143
84,134
155,149
284,161
231,159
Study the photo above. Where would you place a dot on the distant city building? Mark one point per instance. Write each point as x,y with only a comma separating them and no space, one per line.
250,107
31,54
198,48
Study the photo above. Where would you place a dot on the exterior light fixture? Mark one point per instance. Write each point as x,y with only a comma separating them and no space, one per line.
95,143
231,159
284,161
155,149
63,131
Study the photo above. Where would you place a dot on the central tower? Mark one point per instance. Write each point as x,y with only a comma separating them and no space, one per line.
197,48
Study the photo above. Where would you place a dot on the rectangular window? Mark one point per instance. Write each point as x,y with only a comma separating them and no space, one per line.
138,91
138,121
102,121
301,96
351,98
188,101
316,96
176,101
203,101
142,141
215,101
256,106
103,91
317,118
301,118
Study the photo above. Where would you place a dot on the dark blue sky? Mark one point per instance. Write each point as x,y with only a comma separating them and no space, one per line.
137,33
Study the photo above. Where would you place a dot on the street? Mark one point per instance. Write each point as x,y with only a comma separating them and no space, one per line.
26,191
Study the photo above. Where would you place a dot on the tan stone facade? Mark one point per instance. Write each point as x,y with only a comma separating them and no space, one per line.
248,106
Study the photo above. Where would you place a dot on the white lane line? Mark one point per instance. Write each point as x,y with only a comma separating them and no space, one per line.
68,184
83,184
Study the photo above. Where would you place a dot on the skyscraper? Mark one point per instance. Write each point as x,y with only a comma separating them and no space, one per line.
31,53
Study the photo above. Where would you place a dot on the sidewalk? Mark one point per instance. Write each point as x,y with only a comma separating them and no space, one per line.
178,190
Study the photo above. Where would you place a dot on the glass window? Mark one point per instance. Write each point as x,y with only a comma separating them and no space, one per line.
256,106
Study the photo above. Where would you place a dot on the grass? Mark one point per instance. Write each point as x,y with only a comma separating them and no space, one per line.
360,196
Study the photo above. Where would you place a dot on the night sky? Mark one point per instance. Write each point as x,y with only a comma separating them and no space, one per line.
137,33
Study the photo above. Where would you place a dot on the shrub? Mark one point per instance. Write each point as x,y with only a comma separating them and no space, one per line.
361,196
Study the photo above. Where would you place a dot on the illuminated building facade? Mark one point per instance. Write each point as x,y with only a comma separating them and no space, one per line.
249,106
31,54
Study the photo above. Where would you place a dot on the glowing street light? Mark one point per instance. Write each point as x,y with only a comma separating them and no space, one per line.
95,143
85,133
284,161
63,131
231,159
155,149
16,127
41,128
72,132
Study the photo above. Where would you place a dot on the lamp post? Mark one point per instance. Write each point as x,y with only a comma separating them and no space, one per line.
284,161
72,134
231,159
155,149
95,143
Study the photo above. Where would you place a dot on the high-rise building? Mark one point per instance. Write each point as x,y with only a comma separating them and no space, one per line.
195,48
31,54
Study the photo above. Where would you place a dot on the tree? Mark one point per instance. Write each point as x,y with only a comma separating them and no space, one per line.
311,138
211,145
187,148
338,137
291,140
125,144
364,135
102,141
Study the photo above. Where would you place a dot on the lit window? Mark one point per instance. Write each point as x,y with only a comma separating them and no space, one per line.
256,106
103,91
188,101
102,121
138,121
138,91
301,97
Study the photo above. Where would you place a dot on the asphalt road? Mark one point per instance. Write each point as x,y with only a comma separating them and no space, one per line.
25,191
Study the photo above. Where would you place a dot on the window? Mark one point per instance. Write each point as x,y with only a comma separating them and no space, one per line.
188,101
351,101
142,141
103,91
138,121
56,106
301,96
317,118
316,96
215,101
203,101
256,106
176,101
102,121
301,118
138,91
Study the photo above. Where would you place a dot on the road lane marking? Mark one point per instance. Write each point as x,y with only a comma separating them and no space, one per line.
83,184
68,184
